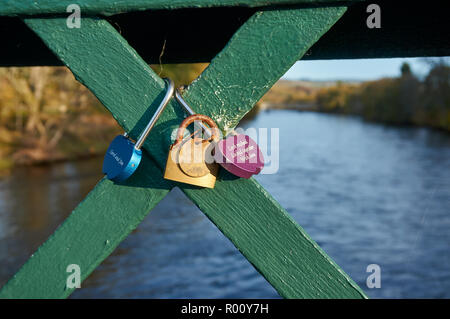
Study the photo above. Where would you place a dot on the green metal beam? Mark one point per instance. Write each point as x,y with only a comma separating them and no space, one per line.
110,7
259,53
210,29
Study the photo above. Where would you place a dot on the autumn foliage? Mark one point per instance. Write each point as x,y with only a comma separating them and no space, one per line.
405,100
46,115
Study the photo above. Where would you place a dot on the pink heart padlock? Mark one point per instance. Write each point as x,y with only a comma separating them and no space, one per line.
240,155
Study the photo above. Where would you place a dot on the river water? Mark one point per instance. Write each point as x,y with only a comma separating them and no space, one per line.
367,193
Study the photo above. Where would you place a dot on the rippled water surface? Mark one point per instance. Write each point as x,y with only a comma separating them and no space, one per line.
367,193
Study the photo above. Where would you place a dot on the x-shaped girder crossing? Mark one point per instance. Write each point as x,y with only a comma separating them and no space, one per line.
258,54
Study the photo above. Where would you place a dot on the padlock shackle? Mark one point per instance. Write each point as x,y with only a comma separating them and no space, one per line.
161,107
190,111
183,103
197,117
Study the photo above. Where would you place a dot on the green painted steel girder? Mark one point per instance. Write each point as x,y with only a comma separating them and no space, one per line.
110,7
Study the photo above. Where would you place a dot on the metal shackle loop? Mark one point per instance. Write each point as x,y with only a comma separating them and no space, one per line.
190,111
161,107
183,103
200,117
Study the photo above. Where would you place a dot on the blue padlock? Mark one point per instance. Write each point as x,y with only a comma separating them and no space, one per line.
123,156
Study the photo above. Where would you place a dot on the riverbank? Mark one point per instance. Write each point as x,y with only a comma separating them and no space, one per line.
310,107
403,101
86,136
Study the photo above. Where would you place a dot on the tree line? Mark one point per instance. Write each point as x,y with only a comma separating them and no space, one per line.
405,100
